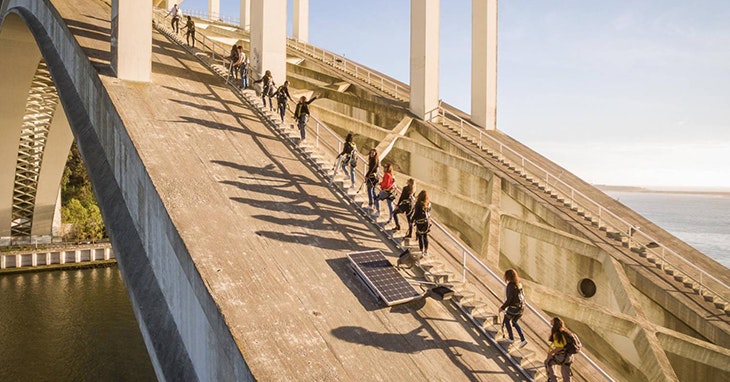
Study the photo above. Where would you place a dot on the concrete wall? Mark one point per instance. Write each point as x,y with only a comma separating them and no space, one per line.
182,328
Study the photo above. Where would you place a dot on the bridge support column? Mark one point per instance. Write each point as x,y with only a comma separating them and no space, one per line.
245,21
484,63
268,38
424,57
132,39
214,9
301,20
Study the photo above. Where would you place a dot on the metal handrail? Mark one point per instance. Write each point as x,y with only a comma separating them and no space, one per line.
216,17
371,77
572,195
468,254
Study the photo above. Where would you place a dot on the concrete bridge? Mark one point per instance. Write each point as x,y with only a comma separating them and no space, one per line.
231,239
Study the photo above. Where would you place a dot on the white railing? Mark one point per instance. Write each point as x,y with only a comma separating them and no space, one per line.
468,257
216,17
621,226
386,85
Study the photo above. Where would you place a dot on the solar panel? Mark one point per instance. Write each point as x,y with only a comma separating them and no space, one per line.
382,278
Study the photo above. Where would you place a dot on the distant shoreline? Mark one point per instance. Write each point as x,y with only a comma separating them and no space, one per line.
605,187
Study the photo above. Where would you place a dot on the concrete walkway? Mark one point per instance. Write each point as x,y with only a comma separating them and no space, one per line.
268,236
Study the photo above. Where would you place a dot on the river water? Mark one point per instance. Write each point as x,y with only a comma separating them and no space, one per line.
78,325
74,325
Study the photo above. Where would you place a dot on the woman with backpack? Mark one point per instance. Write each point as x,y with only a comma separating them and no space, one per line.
282,96
513,305
267,88
422,220
560,338
371,178
349,154
405,206
387,191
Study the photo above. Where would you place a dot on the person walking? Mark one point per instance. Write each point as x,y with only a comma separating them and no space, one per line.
513,305
301,113
234,57
266,88
282,97
190,31
239,66
243,70
557,355
175,22
387,191
422,220
371,178
405,206
349,158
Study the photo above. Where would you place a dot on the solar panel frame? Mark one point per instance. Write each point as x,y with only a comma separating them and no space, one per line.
382,278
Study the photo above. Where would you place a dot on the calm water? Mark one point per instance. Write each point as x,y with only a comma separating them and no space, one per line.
69,326
79,326
702,221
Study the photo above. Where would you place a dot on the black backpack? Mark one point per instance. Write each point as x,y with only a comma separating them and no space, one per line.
574,345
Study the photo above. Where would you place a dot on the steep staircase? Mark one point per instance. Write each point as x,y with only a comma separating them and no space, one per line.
470,302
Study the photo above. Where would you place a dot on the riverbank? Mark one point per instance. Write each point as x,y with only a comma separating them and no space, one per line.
57,258
668,190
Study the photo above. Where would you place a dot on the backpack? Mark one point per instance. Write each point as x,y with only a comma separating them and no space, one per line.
574,345
353,156
281,95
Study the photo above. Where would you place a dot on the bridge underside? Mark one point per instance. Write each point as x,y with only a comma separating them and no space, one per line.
163,155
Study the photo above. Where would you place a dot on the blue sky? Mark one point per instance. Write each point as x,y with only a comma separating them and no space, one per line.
623,92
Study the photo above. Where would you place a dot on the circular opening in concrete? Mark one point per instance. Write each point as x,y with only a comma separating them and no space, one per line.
587,288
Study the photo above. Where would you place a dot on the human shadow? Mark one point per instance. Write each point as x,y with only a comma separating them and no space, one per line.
207,96
212,109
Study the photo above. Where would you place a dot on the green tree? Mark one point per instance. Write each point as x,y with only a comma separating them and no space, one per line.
78,204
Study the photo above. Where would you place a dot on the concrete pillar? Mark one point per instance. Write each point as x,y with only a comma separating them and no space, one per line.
245,22
268,38
424,57
484,63
301,20
132,39
214,9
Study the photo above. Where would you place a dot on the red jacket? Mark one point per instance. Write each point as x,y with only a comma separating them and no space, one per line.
387,181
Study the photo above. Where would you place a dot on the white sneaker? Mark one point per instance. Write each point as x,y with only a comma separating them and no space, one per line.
523,343
509,340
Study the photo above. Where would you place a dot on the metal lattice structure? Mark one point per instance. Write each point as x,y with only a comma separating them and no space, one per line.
42,102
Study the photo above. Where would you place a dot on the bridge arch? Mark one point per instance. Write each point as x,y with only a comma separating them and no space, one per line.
184,335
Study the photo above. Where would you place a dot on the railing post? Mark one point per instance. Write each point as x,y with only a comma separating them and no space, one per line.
463,267
316,139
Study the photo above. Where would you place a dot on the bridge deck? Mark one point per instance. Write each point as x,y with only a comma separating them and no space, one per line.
267,235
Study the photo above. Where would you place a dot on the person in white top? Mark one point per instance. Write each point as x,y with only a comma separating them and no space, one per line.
175,23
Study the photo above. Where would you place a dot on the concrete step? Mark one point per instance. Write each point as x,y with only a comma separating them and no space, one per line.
476,308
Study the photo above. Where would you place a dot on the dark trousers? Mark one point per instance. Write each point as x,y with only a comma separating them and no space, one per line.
282,110
408,214
175,24
512,320
188,35
565,371
422,242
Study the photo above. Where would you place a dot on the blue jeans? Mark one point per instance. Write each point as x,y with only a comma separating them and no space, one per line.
345,165
372,195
